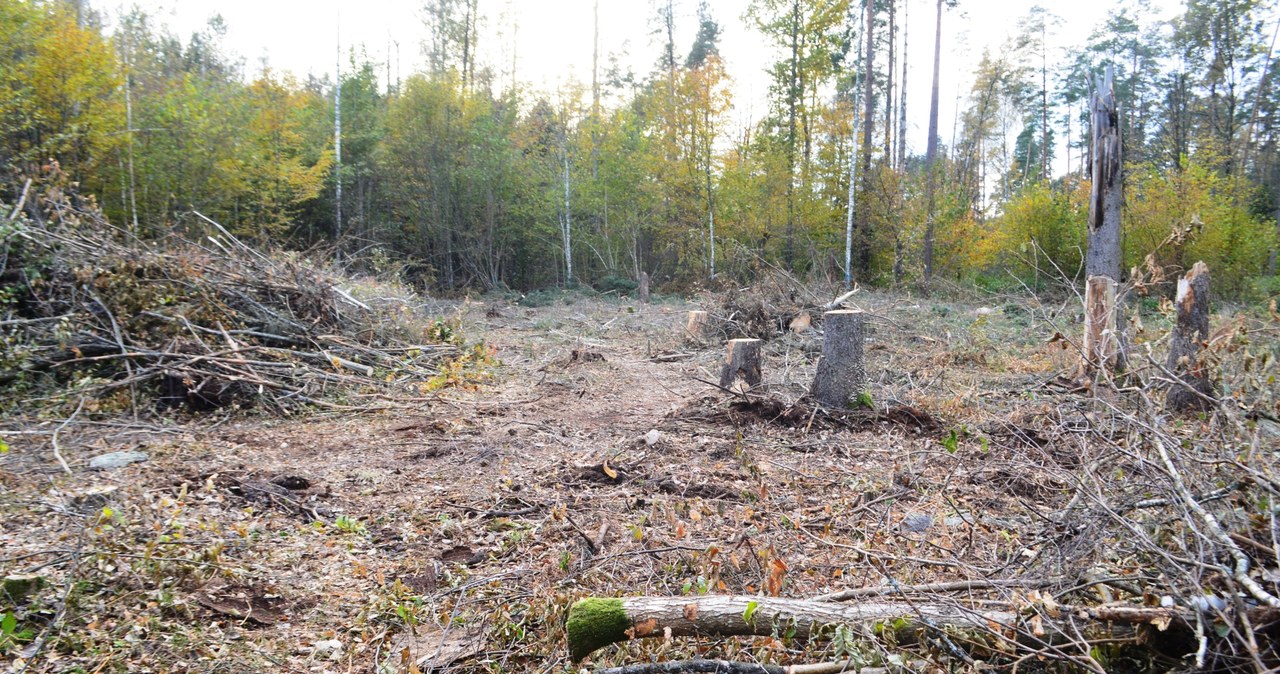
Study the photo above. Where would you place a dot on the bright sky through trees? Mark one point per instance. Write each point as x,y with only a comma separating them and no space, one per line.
553,40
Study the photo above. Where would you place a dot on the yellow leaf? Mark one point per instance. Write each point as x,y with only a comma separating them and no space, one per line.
613,474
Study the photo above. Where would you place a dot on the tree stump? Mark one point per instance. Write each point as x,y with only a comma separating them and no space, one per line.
741,360
1190,334
643,290
696,327
841,372
1101,341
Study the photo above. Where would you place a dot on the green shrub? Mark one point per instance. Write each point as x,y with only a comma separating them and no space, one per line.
618,284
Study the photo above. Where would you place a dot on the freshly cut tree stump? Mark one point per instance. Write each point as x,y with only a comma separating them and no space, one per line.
841,372
741,360
696,326
1101,341
1190,333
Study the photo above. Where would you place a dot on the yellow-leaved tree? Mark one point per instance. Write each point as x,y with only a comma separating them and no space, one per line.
58,84
281,168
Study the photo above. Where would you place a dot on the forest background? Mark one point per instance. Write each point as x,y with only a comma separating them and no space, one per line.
459,177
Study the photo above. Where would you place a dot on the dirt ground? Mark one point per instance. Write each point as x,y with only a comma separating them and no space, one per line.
453,531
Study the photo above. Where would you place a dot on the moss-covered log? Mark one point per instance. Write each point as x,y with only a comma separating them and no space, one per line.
597,622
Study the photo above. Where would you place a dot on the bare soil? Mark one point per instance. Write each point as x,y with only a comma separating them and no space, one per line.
595,459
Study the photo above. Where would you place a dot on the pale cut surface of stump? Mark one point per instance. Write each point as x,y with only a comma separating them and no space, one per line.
842,374
742,360
1101,341
696,326
1190,333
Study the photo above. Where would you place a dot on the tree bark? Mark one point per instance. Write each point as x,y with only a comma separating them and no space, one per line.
841,372
741,360
931,151
1107,192
1190,333
1103,255
1101,343
868,128
597,622
642,289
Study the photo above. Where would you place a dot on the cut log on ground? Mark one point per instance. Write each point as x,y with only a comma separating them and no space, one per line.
1101,343
841,372
597,622
695,327
741,360
1190,334
727,667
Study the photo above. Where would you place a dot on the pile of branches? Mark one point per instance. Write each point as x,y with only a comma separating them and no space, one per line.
767,309
90,311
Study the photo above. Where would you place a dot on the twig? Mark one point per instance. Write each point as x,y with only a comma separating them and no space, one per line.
591,544
61,613
1241,571
22,201
53,439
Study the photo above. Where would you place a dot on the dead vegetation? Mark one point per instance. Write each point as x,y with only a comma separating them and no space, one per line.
96,319
454,536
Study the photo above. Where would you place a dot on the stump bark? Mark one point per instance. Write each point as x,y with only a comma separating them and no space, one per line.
696,326
643,290
1190,334
1101,340
841,372
741,360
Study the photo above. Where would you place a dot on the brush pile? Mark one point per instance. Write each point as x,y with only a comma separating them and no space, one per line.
90,312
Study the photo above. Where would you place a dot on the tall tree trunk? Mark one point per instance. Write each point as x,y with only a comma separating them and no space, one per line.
128,122
868,128
902,91
1102,257
711,211
595,91
853,171
1044,103
337,145
793,102
1106,197
567,225
931,153
888,88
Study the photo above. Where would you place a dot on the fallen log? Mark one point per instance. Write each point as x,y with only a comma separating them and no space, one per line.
596,622
727,667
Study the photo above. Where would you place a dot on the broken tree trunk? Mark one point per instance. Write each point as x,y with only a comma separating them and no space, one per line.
696,326
841,373
742,359
1101,343
643,287
597,622
1190,334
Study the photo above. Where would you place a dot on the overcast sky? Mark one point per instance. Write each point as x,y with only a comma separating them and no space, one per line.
554,39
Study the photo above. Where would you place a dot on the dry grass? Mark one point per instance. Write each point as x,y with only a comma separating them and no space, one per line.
472,519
